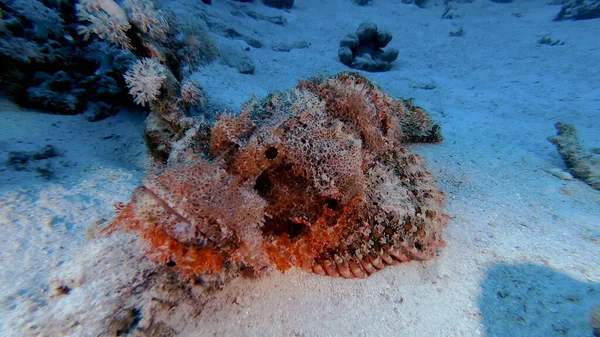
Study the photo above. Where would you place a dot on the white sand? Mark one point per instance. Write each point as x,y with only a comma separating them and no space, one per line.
523,250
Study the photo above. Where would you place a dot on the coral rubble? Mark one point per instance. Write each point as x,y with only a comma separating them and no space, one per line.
580,162
316,177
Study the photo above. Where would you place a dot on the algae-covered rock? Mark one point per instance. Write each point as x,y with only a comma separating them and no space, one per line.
580,162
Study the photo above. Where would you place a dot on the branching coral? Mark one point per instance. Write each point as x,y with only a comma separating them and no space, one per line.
111,22
315,177
105,19
147,18
145,79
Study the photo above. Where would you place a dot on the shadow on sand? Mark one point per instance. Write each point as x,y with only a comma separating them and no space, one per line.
532,300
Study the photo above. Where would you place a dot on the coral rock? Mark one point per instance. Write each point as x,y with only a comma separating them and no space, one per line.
316,177
364,49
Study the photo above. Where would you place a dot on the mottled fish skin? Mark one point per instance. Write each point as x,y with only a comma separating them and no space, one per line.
317,177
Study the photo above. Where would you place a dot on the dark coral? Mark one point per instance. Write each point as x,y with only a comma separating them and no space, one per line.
279,3
362,2
579,10
317,177
44,64
364,49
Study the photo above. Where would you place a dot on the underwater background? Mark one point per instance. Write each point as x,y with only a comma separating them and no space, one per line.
100,97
